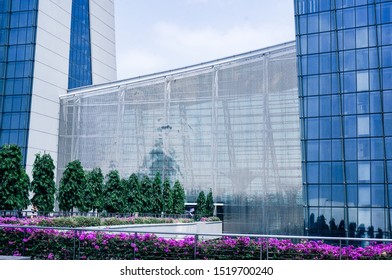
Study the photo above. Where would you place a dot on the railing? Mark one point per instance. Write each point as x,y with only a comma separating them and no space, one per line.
109,244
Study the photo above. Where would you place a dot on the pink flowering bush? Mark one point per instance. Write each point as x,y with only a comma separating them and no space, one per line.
54,244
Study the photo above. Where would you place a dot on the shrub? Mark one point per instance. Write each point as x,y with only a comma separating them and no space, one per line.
53,244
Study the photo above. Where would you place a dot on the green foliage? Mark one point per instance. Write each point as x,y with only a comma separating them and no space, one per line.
167,197
156,194
178,198
133,194
71,185
92,194
145,189
114,193
70,222
43,185
14,182
201,204
209,210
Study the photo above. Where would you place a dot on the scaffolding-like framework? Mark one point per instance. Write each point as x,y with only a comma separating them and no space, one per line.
231,125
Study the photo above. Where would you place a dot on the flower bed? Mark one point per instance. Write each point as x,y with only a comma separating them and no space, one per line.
73,244
87,221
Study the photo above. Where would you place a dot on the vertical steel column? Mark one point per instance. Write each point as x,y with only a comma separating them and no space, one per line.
165,132
214,119
187,154
119,129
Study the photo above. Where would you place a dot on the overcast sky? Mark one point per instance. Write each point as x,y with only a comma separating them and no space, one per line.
158,35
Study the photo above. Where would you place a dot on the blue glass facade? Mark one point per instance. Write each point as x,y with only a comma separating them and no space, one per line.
344,50
18,24
80,73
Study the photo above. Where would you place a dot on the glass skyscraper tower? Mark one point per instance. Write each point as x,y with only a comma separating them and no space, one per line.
46,48
344,50
18,24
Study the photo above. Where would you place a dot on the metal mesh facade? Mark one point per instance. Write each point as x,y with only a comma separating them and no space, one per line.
231,125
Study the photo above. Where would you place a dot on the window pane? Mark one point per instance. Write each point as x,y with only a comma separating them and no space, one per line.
325,127
325,105
377,172
312,195
362,59
349,60
325,150
363,171
313,43
337,172
351,172
325,42
378,196
387,56
349,102
312,172
350,149
363,102
325,172
337,150
363,125
324,19
363,148
362,81
352,195
350,126
376,125
338,195
363,195
312,150
361,15
325,196
313,128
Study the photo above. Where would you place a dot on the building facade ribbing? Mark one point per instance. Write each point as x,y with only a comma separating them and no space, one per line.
230,125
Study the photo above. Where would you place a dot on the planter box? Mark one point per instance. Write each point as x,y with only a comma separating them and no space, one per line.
176,231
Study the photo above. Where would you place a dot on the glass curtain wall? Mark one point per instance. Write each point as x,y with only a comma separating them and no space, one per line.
18,24
345,80
230,125
80,73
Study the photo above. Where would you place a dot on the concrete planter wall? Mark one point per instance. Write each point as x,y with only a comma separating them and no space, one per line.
177,231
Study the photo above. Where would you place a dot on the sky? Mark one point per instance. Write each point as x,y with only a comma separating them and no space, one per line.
159,35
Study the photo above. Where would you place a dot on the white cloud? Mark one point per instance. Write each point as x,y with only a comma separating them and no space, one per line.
175,46
197,45
135,62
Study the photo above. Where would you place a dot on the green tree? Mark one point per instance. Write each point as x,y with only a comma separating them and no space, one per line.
178,198
14,182
145,190
71,185
201,204
114,193
92,194
209,211
167,197
156,194
134,196
43,185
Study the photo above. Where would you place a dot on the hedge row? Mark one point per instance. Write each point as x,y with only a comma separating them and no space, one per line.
88,221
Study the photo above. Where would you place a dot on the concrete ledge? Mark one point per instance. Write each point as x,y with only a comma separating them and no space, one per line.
175,230
14,258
